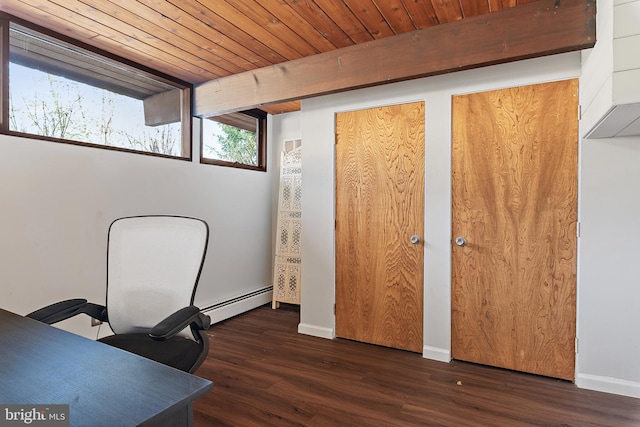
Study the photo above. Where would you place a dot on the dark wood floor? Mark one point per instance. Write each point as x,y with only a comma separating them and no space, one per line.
266,374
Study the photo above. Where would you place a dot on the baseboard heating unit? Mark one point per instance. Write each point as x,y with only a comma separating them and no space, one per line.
238,305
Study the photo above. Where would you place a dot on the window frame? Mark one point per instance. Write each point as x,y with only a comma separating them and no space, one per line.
185,88
261,142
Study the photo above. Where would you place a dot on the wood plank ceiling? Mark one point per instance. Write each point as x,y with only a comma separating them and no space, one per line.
202,40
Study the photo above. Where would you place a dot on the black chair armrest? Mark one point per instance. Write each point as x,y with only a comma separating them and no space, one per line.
97,311
179,320
59,311
66,309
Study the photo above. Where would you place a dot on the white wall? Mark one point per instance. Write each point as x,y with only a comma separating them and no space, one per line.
609,274
609,271
58,201
619,359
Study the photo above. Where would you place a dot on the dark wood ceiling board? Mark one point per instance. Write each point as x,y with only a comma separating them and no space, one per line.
207,12
319,20
447,10
210,38
285,107
421,13
474,7
395,13
128,17
42,15
371,18
174,29
254,29
187,39
276,29
143,45
343,16
300,26
159,62
73,25
483,40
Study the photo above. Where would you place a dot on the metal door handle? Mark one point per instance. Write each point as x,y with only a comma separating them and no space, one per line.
461,241
415,239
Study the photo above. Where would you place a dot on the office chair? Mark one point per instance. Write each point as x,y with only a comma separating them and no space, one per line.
153,267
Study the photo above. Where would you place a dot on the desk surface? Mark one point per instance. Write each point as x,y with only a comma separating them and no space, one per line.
103,385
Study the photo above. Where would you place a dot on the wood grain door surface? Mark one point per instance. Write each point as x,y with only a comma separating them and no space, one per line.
514,200
379,206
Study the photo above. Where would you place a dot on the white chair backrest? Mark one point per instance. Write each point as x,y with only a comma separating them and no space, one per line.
153,267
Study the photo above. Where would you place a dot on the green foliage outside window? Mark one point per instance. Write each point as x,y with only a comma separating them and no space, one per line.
236,145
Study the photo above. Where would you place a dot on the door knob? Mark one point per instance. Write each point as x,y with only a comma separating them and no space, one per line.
461,241
415,239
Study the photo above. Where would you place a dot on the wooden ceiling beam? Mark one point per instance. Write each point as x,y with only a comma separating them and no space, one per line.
531,30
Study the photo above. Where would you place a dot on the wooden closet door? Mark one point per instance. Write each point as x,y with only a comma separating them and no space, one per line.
379,207
514,200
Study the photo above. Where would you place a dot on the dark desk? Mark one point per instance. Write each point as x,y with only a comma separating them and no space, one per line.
103,385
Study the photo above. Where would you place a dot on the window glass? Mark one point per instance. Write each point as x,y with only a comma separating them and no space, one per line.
235,139
62,92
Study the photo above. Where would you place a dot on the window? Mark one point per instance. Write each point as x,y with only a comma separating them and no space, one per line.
235,139
58,90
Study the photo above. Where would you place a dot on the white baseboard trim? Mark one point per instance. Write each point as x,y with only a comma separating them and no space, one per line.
316,331
238,305
608,385
435,353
